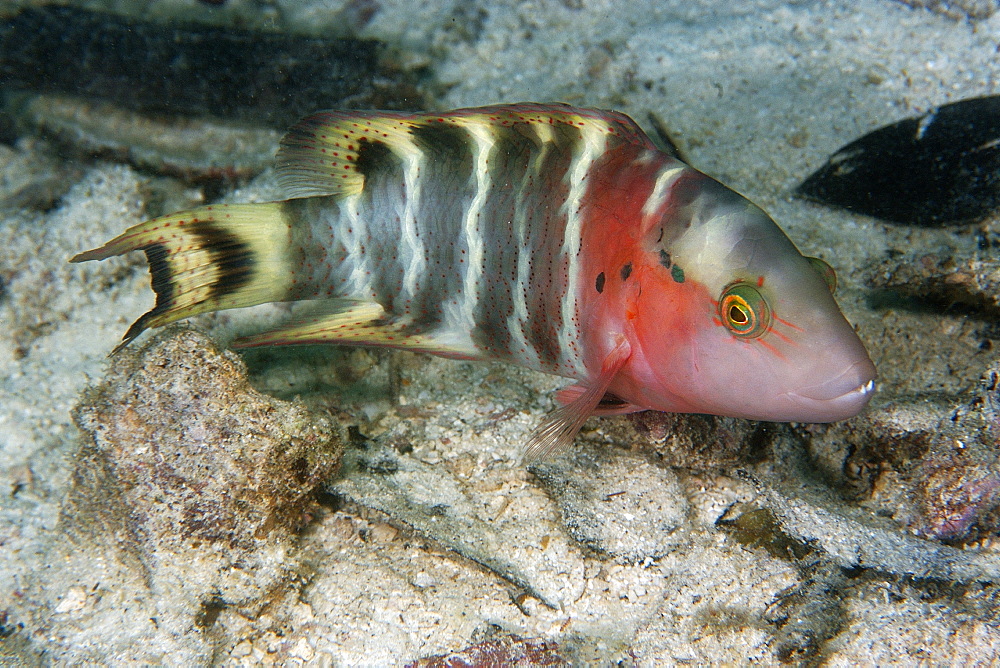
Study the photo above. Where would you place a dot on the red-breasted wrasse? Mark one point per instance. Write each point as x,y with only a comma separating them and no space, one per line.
556,238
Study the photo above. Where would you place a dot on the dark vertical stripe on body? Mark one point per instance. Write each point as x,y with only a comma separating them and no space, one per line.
445,141
501,243
446,189
543,222
548,285
373,157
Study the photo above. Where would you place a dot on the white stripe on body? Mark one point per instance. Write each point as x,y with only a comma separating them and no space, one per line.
590,146
353,232
661,191
484,144
519,318
412,248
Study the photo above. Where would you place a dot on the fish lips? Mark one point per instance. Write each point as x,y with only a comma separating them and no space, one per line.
837,398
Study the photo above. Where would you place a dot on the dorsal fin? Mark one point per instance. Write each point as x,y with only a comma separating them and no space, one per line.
325,153
320,154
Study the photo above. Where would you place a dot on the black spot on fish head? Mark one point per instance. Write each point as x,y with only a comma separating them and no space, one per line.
600,283
626,271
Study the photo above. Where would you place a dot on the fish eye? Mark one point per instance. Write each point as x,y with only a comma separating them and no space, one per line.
744,311
826,271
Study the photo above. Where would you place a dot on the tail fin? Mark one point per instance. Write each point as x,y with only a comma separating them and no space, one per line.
208,259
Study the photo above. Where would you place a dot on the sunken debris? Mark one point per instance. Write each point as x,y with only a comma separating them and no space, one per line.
194,70
202,150
936,169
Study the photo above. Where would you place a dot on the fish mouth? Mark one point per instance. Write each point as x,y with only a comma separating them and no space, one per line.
842,396
859,392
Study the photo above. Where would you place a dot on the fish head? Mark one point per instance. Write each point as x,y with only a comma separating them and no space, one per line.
762,336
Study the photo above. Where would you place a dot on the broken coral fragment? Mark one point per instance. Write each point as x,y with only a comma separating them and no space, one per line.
191,148
957,483
199,455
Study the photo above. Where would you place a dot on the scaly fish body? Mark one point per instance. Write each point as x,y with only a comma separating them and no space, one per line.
555,238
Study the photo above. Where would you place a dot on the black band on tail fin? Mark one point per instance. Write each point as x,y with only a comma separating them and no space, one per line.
159,270
208,259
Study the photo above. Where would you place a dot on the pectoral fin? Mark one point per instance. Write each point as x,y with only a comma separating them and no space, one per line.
607,406
557,431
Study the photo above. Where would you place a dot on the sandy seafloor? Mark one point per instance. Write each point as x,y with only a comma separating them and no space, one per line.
757,94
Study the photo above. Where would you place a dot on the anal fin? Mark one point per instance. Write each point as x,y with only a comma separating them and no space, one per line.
356,323
557,430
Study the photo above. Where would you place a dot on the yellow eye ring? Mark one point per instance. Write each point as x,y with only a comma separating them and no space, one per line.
744,311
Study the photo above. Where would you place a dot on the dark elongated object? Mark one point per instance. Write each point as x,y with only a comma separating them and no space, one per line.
936,169
270,78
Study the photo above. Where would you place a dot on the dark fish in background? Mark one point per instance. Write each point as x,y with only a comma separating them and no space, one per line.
936,169
267,78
